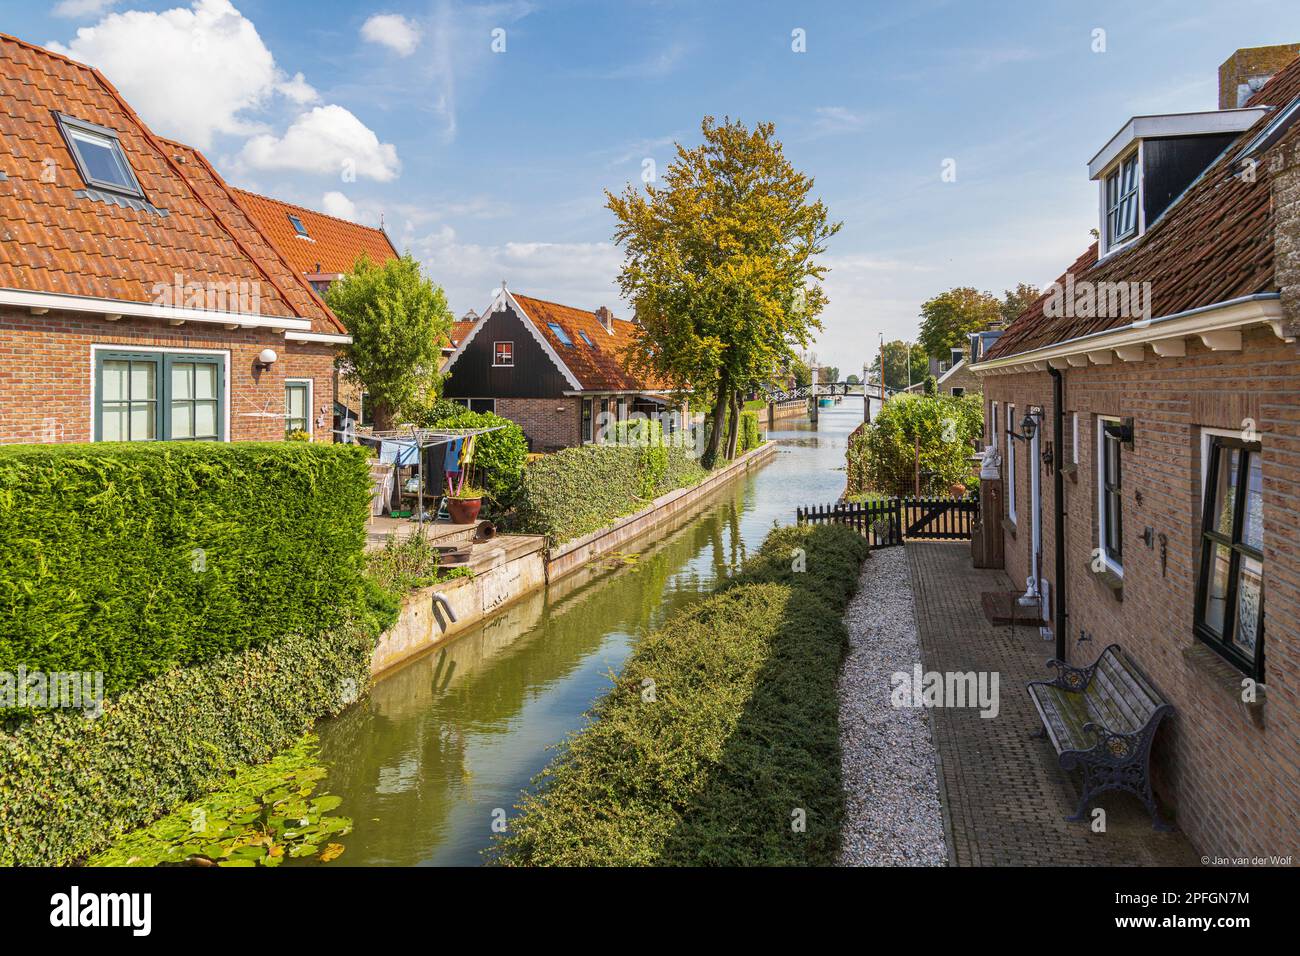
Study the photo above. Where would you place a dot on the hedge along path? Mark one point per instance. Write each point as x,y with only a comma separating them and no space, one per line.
737,742
132,559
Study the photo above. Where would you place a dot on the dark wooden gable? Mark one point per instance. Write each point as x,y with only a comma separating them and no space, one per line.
534,374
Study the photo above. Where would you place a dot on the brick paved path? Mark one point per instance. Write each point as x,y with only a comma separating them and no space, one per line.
1004,796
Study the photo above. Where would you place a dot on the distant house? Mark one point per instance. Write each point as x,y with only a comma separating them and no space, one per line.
322,249
139,300
1158,383
554,369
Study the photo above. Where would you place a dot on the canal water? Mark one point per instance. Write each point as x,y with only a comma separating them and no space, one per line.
444,745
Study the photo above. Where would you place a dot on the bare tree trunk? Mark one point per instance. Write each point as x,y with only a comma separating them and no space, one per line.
382,416
719,417
733,430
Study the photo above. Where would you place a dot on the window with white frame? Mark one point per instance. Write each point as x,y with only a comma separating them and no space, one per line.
993,428
1110,500
142,395
503,353
1230,586
297,406
1122,202
1011,464
1074,428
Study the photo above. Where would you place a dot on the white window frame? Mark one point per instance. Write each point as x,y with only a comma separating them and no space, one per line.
1011,465
994,438
1099,475
311,404
497,364
1105,245
1074,425
130,347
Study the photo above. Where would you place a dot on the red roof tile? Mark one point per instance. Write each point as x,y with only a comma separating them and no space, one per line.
1212,245
55,237
599,366
333,246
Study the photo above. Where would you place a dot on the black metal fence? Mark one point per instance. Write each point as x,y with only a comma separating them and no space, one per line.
891,521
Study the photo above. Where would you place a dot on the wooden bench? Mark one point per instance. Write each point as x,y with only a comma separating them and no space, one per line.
1103,718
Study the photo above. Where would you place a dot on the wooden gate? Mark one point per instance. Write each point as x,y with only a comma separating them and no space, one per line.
890,521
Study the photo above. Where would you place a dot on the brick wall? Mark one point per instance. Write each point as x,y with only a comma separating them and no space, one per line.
47,380
549,424
1231,773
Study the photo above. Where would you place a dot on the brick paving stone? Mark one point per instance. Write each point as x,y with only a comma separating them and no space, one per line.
1005,797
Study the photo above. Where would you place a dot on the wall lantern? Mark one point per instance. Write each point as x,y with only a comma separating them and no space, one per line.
1028,426
265,359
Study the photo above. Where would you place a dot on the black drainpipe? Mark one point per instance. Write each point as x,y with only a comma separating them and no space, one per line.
1058,493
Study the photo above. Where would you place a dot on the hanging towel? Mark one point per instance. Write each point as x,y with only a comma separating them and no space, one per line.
453,455
435,479
467,453
388,452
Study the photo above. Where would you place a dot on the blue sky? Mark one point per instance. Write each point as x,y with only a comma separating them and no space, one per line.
491,165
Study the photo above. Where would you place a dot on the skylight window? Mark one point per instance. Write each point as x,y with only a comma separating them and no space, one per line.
298,227
560,334
1122,202
586,339
99,156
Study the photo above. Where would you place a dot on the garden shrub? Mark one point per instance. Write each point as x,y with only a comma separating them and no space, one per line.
578,490
743,728
499,456
71,785
882,456
749,437
133,559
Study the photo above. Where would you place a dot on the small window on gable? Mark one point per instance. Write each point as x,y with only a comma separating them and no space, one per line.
560,333
99,156
1122,202
503,353
298,227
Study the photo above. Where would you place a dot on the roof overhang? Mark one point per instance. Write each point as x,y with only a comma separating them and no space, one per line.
1207,123
113,309
1218,326
326,337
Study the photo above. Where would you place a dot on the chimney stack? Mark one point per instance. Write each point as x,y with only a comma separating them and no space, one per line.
606,318
1243,73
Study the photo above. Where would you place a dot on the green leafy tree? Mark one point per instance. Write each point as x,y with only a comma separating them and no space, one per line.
721,265
853,379
948,318
1015,301
398,320
897,354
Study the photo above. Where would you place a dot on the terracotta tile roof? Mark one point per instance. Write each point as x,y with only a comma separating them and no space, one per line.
598,367
1212,245
55,236
459,329
334,244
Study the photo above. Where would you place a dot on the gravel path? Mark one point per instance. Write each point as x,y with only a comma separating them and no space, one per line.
892,813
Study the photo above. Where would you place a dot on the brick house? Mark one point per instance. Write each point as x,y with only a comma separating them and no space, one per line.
322,249
555,370
1160,382
138,299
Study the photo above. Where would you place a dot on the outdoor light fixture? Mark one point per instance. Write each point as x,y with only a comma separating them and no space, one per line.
265,359
1028,426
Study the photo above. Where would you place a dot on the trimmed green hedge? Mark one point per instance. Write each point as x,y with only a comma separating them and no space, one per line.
749,436
70,785
133,559
739,737
578,490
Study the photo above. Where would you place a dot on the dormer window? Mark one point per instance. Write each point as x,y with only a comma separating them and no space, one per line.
99,156
1122,202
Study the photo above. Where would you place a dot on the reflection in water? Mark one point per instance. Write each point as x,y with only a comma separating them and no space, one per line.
446,742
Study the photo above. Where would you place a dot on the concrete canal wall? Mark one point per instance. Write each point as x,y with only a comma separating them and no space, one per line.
514,566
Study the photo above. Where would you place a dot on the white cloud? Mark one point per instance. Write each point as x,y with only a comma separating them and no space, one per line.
334,203
393,31
581,274
190,72
299,90
73,9
328,139
837,119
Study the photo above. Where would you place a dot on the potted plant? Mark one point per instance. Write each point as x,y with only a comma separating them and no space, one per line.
463,505
957,489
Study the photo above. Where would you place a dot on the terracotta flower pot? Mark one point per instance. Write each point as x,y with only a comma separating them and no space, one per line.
464,510
957,490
